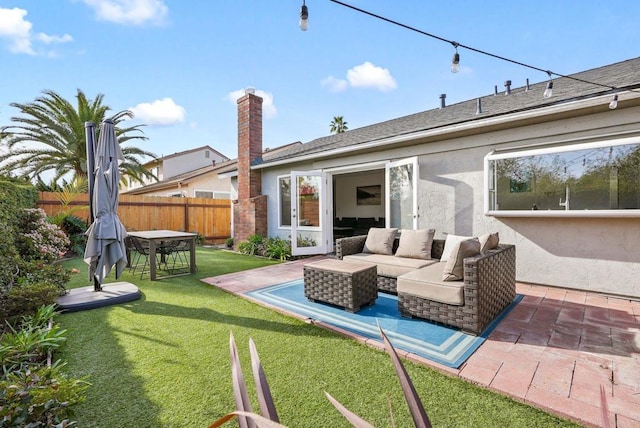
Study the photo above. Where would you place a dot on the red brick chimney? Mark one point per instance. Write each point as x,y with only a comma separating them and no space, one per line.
250,210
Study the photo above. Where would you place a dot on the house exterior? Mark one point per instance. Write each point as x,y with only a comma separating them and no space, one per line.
559,177
191,173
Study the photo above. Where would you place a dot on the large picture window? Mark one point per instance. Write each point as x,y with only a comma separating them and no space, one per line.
594,179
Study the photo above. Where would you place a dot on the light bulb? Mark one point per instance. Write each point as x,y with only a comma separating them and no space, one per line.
304,17
549,91
614,102
455,63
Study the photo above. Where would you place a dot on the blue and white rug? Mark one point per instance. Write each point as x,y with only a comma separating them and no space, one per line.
445,345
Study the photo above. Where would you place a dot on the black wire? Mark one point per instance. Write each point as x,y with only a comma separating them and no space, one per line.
456,45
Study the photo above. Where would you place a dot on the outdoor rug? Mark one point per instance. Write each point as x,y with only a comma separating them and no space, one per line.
445,345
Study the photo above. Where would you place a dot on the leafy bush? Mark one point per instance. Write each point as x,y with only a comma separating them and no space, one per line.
37,239
74,227
25,300
229,242
34,393
277,248
253,246
305,241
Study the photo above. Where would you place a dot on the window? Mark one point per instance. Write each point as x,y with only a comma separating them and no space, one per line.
203,194
594,179
284,201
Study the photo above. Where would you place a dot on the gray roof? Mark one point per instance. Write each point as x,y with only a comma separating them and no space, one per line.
622,75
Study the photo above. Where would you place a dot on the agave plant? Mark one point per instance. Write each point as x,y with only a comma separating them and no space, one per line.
268,416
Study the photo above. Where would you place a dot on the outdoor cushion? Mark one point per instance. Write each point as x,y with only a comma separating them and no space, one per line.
416,244
390,266
488,241
380,241
449,242
454,267
427,283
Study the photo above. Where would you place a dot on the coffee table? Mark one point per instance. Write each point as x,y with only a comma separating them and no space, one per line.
342,283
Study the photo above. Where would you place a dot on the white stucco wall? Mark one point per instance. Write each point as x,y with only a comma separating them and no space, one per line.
598,254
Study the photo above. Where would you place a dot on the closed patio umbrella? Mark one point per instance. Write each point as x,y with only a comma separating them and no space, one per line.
106,234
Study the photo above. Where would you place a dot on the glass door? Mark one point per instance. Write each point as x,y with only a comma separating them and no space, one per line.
308,213
402,194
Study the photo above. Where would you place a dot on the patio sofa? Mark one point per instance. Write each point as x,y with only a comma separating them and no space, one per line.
467,288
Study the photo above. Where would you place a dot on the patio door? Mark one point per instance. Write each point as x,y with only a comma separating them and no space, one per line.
309,222
401,205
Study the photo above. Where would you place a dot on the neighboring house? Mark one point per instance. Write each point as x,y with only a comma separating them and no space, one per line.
182,165
558,177
191,173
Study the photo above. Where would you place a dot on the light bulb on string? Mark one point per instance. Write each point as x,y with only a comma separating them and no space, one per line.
549,91
455,62
304,17
614,102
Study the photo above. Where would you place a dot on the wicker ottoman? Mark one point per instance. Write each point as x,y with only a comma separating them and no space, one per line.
341,283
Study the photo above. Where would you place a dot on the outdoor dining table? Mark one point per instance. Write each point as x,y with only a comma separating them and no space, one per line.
158,238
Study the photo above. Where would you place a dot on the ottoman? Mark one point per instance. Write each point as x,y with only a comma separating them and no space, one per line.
342,283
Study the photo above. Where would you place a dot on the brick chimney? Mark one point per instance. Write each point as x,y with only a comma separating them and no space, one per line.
250,210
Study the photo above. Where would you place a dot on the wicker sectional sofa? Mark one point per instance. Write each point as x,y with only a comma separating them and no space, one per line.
487,287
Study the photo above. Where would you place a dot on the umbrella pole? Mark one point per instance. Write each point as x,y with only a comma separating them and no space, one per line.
90,135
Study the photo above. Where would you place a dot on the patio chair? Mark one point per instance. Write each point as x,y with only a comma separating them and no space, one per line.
138,255
175,256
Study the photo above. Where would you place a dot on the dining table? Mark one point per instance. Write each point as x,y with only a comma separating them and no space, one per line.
158,238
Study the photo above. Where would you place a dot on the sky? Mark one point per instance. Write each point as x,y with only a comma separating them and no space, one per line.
180,65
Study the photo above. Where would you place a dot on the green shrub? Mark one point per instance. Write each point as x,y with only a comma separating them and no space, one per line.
277,248
253,246
39,398
74,227
25,300
229,242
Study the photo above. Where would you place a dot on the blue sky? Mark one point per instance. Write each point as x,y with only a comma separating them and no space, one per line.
179,64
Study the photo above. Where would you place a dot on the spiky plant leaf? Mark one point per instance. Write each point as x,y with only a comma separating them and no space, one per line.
267,406
420,418
240,392
261,421
354,419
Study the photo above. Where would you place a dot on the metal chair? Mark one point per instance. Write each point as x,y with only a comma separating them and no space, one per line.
139,255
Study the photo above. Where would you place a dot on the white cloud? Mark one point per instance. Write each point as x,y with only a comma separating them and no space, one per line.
159,112
130,12
268,108
334,84
367,75
15,30
49,39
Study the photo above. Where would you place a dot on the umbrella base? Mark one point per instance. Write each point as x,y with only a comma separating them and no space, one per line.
81,299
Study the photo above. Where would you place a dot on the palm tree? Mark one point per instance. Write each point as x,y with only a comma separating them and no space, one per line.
50,137
338,125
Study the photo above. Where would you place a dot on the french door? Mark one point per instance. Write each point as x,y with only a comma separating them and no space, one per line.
401,207
309,221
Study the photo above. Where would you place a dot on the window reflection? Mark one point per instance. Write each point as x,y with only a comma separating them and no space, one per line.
602,178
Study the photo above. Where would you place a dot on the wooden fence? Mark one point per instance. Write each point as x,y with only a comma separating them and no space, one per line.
210,218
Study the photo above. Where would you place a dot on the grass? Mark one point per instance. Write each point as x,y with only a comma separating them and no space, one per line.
163,361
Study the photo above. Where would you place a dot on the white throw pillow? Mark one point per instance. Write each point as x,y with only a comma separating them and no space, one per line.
449,242
416,244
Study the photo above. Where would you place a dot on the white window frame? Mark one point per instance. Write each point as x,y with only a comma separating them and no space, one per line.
280,225
488,180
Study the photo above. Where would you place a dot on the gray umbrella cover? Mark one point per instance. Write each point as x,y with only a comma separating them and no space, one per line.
106,235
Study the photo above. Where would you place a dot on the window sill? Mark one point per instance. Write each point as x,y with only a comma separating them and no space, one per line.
570,213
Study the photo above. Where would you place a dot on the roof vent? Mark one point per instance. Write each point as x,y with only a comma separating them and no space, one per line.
442,98
526,88
495,90
507,86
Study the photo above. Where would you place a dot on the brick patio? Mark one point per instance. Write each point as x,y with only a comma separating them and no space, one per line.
553,351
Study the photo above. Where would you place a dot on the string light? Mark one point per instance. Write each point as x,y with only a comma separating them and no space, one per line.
455,63
456,57
548,93
304,17
614,102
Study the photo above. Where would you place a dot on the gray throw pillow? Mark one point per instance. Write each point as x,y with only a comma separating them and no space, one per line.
380,241
416,244
454,268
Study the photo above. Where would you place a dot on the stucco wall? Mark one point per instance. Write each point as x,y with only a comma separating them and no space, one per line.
599,254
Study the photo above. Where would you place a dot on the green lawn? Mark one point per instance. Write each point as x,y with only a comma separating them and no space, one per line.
163,361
